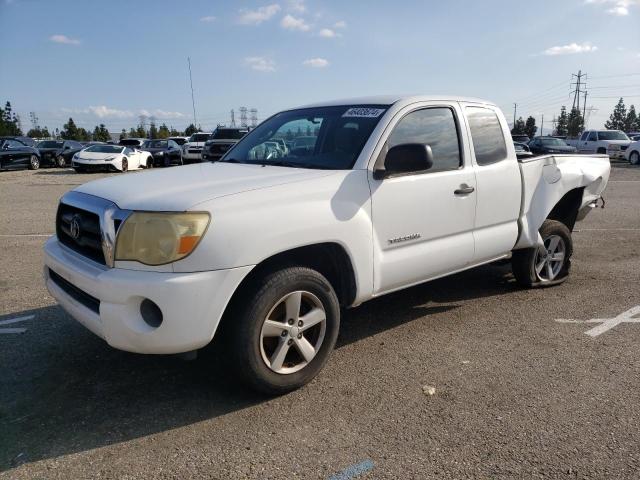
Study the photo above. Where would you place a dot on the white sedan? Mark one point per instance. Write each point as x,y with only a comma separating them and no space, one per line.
633,153
110,158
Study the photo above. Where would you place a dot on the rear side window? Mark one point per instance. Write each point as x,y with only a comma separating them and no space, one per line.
435,127
487,136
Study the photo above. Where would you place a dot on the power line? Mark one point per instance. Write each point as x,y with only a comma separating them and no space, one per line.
193,102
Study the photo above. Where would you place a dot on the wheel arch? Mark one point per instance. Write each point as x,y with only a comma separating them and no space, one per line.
566,210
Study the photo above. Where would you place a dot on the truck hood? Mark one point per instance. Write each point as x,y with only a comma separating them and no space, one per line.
180,188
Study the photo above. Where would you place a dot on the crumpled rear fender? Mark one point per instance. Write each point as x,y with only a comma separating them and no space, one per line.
546,180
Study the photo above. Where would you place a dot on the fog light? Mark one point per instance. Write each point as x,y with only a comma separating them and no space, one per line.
151,313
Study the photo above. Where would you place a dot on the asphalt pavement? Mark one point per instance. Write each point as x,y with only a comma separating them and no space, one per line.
465,377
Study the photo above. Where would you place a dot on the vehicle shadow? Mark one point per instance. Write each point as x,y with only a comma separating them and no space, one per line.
64,390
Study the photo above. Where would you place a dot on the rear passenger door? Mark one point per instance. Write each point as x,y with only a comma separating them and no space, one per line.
499,185
423,220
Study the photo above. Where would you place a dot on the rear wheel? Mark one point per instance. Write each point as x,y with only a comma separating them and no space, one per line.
34,162
149,162
285,330
634,158
548,265
60,161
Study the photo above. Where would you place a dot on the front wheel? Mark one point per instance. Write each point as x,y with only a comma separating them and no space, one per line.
34,162
285,330
125,165
60,161
634,158
548,265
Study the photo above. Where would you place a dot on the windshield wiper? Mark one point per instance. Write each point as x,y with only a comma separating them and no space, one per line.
280,163
227,160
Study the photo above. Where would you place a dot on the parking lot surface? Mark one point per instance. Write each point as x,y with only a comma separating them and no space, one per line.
518,394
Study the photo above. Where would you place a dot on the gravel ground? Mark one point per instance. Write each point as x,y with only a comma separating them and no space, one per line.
517,394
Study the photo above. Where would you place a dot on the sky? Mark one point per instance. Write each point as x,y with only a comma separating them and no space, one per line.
112,61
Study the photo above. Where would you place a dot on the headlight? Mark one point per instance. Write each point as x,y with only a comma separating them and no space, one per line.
76,156
159,154
159,238
109,159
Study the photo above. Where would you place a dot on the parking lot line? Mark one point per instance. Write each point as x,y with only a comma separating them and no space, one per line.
16,320
19,235
606,324
354,470
12,330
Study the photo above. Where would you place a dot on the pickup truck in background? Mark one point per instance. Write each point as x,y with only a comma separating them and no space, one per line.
220,141
192,149
605,142
265,246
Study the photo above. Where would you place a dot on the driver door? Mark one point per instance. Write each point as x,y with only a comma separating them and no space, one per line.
423,221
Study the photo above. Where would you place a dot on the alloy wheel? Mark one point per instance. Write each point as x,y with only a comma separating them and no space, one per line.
549,260
292,332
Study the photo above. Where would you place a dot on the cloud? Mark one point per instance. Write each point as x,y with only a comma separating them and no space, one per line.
64,40
316,63
161,114
297,6
328,33
290,22
102,111
256,17
570,49
618,8
208,19
340,24
261,64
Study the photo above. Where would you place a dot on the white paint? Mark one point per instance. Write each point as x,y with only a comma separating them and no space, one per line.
21,235
16,320
608,230
607,324
12,330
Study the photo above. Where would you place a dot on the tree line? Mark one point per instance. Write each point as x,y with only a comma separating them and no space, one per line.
10,126
572,124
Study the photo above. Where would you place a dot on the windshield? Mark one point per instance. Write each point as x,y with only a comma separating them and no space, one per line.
104,149
50,144
325,137
553,142
130,142
155,144
612,135
199,137
228,134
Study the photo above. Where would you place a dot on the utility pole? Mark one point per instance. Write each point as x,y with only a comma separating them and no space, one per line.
542,125
243,117
584,107
193,102
233,118
581,87
515,108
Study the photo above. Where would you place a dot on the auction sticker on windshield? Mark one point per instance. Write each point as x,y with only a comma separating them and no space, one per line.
363,113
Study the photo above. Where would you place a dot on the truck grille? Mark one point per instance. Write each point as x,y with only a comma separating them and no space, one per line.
220,148
79,230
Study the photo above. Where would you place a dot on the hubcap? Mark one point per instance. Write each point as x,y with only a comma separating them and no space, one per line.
550,259
292,332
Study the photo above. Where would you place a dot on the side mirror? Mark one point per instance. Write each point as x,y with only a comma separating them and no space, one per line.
405,158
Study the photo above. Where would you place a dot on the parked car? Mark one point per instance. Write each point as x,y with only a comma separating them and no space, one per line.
605,142
15,154
221,141
132,142
192,150
633,153
58,152
165,152
110,158
28,141
520,138
634,136
277,246
179,140
522,150
546,145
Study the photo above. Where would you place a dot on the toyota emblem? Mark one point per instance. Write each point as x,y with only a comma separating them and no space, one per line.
74,227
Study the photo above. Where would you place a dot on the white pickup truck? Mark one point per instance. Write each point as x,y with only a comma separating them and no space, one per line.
266,246
613,143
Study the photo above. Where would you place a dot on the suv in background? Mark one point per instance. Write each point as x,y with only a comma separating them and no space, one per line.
221,141
192,150
605,142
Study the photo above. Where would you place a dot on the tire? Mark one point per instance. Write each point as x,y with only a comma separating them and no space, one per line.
269,357
534,267
634,158
79,169
166,161
60,161
181,160
34,162
602,151
125,165
149,162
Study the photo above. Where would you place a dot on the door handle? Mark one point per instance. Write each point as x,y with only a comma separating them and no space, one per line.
464,190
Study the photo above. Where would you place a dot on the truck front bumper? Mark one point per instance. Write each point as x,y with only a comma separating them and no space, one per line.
108,301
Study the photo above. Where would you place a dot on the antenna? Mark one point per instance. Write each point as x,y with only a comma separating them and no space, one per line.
193,102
